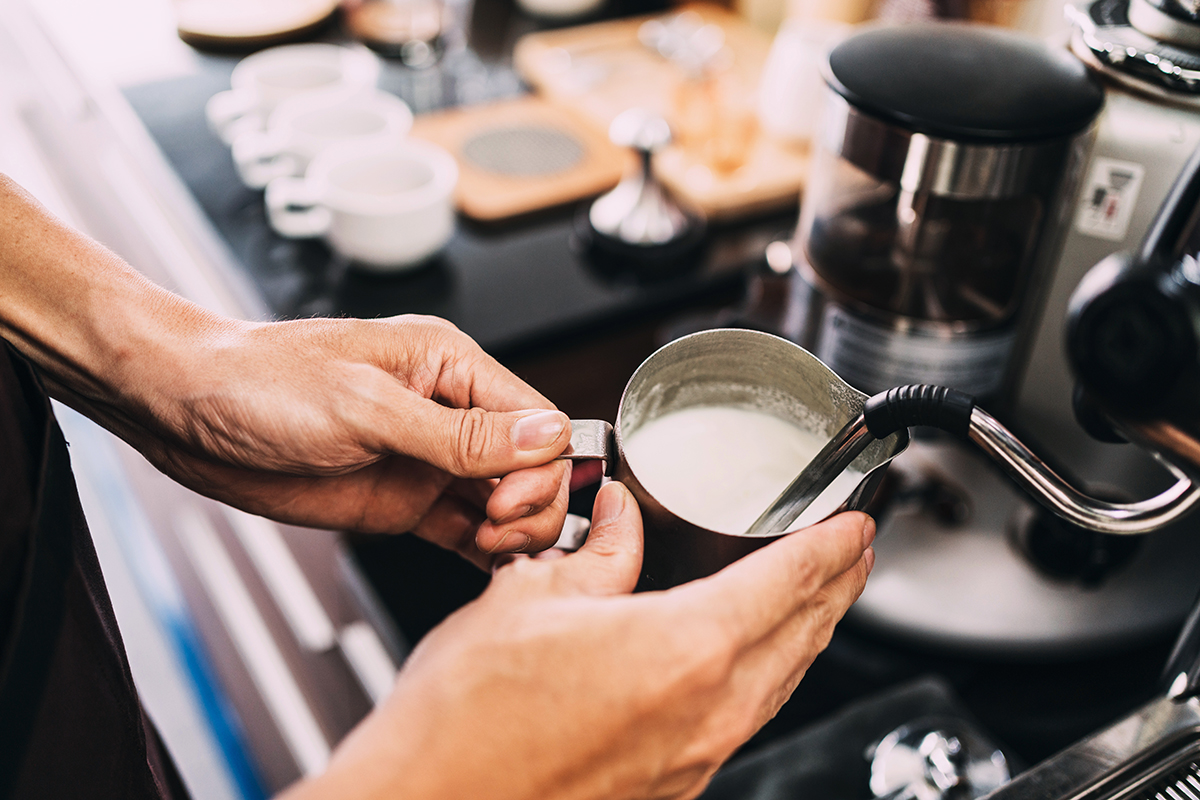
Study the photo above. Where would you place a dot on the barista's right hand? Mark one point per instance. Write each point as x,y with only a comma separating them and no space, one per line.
559,683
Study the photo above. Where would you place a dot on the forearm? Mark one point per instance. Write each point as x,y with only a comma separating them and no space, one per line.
90,322
391,412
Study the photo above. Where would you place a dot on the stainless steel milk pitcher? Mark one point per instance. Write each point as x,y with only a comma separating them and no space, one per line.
729,368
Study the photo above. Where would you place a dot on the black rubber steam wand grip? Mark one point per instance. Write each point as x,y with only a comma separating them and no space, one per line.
904,406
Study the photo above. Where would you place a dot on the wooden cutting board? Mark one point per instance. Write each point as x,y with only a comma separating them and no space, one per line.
521,155
602,69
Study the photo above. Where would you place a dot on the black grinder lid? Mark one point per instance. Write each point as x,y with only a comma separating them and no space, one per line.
965,83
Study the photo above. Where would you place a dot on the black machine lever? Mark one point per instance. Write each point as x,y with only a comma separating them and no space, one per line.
1133,338
1133,334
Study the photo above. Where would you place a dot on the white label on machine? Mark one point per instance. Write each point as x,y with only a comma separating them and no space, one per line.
1108,197
874,358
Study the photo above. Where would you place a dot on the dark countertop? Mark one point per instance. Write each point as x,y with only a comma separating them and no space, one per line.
512,286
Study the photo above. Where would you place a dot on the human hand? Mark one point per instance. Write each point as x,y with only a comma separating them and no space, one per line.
390,425
374,425
559,683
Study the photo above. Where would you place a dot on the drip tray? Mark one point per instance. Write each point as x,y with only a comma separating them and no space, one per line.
1175,776
1178,781
1152,754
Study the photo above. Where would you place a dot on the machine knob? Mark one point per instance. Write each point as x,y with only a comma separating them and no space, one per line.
1134,335
936,759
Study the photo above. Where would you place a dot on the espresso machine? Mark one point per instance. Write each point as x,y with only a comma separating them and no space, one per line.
1133,341
963,182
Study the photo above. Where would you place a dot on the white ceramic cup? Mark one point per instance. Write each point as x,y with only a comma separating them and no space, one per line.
264,80
388,205
301,127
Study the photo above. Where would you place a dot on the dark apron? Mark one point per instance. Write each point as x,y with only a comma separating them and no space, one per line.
71,725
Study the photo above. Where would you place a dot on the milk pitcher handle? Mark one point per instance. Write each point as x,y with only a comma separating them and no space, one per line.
592,440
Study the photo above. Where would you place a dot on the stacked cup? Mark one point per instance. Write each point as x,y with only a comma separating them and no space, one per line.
307,123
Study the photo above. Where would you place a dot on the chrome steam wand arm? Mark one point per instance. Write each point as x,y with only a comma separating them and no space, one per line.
955,412
1032,475
815,478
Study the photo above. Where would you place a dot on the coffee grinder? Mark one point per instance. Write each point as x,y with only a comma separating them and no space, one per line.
935,202
943,184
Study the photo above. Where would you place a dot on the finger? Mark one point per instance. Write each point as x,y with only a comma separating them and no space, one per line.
476,491
540,524
388,496
451,523
766,587
801,637
611,559
525,492
460,373
472,442
782,658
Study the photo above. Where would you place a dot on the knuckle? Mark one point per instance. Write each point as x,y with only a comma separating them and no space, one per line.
520,569
441,332
438,322
857,580
426,321
474,439
737,733
806,575
824,616
425,331
606,547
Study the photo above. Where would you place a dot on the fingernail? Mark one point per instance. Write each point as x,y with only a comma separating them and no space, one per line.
869,557
511,542
539,430
516,513
868,533
610,504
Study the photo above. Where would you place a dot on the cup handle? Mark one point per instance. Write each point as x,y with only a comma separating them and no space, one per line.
294,211
260,158
231,112
592,440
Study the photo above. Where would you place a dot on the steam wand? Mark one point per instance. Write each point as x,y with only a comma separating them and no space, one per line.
955,412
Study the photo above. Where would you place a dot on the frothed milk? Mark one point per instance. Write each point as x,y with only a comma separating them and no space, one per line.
720,467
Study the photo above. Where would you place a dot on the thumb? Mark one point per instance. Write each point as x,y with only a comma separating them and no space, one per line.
476,443
611,559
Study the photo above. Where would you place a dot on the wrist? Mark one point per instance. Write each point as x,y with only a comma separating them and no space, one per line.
148,364
95,327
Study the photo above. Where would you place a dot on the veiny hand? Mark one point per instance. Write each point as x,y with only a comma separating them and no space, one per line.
372,425
559,683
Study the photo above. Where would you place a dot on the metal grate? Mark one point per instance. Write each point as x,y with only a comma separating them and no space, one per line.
1180,783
